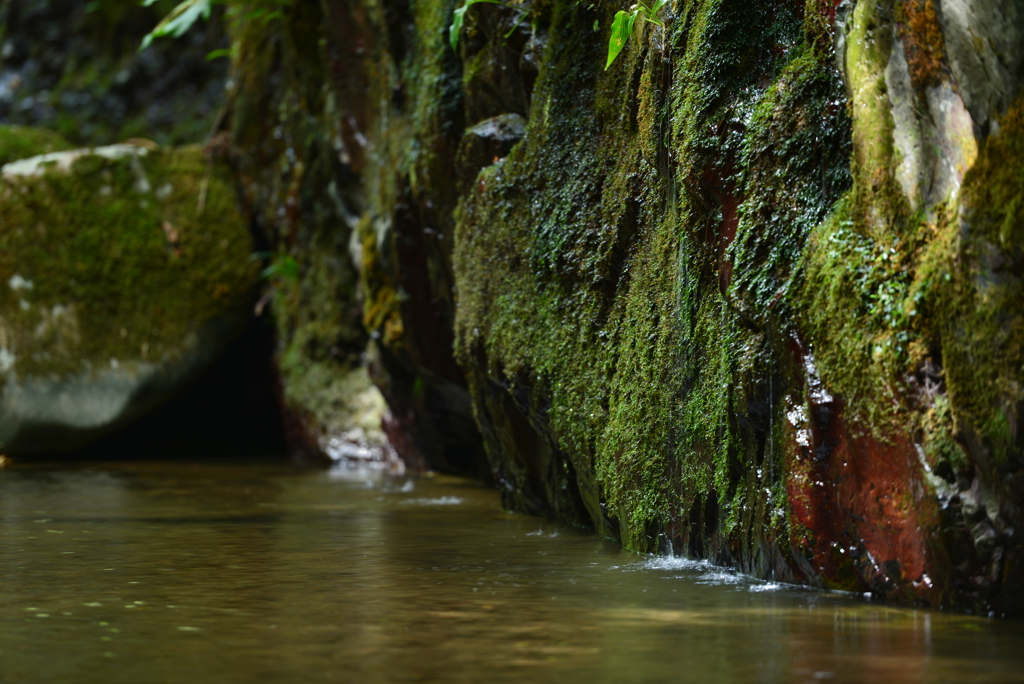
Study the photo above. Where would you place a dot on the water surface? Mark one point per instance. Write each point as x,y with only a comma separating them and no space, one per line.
257,573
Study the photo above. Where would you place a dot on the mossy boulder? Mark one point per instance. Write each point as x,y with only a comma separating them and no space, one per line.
21,142
125,271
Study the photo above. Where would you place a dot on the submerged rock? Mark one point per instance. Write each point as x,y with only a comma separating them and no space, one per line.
125,271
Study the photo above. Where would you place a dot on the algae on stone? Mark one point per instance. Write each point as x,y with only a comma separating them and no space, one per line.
588,266
910,299
297,156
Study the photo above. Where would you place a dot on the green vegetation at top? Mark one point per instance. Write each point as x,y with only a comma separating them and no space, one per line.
88,82
184,15
459,17
627,24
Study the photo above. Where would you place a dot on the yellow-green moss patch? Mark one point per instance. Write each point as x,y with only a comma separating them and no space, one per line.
21,142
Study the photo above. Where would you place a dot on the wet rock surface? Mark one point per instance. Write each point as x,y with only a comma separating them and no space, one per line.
750,293
487,143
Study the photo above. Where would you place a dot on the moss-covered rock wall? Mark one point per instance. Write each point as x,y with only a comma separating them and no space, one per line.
346,129
752,293
626,276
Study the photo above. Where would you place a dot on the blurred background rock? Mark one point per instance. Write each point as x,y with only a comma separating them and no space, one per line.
74,66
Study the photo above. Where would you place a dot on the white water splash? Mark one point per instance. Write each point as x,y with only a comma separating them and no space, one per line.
767,586
440,501
541,533
710,574
720,577
674,563
670,563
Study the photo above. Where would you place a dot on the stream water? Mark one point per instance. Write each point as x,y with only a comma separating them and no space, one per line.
149,573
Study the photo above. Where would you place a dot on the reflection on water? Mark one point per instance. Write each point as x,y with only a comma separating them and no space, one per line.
152,573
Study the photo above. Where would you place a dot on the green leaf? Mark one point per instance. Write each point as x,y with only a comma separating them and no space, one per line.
459,16
178,21
216,54
658,4
453,31
651,13
621,29
284,267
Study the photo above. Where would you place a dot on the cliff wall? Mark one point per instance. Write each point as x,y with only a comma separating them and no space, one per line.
753,293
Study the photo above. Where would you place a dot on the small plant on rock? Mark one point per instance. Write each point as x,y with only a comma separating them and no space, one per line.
629,23
188,12
459,17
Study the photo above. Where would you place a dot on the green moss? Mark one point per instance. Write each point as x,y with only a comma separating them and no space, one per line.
22,142
875,273
417,137
296,164
122,262
984,318
945,455
798,129
381,309
334,398
853,309
589,267
730,48
886,290
878,202
317,317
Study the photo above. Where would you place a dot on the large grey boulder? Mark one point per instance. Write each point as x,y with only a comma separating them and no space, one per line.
124,271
